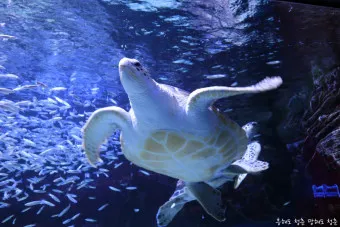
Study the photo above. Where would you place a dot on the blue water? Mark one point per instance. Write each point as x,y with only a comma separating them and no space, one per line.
71,49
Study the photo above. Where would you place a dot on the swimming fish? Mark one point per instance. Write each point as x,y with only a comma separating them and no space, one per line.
131,188
24,210
144,172
8,76
8,218
58,89
5,91
90,220
103,207
55,198
25,87
30,225
114,189
40,210
71,198
64,211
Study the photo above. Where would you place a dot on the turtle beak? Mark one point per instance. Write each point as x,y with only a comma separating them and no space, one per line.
124,62
126,69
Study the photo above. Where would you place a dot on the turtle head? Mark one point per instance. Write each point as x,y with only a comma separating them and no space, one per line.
134,77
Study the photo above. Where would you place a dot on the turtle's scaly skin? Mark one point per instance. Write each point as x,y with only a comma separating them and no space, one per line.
187,156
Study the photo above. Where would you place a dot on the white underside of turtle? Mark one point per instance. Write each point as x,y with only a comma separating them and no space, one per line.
180,135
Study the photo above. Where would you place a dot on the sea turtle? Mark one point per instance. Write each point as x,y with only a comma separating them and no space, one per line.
178,134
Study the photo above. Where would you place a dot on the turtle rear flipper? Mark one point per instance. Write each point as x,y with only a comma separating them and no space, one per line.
248,163
245,166
169,209
209,198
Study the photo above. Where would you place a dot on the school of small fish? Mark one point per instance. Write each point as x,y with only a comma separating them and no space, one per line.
41,156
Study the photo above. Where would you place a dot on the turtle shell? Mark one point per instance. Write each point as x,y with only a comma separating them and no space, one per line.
188,156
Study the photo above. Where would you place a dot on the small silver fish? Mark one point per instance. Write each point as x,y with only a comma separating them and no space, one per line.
67,221
131,188
55,198
233,84
90,220
27,209
8,218
51,101
25,87
57,118
76,138
7,36
9,106
64,211
103,207
273,62
3,205
40,210
57,191
5,91
286,203
58,89
33,203
144,172
23,103
47,203
30,225
117,165
75,216
216,76
114,189
28,142
113,101
62,101
8,76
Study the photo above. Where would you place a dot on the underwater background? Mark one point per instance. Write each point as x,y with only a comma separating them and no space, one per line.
59,63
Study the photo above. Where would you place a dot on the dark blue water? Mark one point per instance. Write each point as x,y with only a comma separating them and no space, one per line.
76,45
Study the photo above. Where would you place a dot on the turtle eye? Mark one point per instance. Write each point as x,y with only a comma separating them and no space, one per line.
137,64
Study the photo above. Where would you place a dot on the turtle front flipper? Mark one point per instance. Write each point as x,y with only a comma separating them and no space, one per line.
209,198
99,126
201,99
